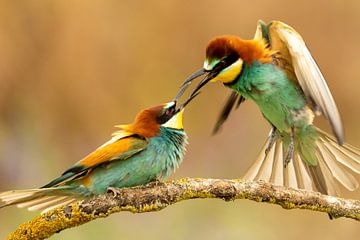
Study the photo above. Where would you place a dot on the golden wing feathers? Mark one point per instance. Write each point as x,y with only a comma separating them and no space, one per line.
295,58
121,146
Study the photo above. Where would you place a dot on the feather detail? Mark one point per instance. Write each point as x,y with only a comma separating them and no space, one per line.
293,56
254,169
267,165
59,204
335,164
36,199
121,149
302,175
145,123
234,99
341,174
290,179
277,176
248,50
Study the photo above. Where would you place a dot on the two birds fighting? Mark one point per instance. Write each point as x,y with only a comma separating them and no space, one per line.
278,73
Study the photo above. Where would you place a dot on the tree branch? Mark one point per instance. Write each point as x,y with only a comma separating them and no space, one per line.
156,196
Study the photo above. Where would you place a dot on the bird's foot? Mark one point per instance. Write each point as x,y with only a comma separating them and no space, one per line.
290,150
289,155
113,191
271,141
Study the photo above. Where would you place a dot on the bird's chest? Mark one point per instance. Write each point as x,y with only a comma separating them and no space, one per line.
166,156
278,98
163,154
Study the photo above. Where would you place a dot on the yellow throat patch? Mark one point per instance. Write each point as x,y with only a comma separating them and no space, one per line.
230,73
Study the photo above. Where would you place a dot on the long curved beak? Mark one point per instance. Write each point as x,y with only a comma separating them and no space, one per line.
182,106
209,75
197,74
176,120
188,82
203,82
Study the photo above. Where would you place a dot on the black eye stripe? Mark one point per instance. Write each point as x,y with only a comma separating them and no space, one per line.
227,61
166,115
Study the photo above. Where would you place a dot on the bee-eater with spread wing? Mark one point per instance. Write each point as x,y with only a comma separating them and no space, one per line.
277,72
144,151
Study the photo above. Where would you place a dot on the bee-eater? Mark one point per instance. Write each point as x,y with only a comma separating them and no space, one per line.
277,72
144,151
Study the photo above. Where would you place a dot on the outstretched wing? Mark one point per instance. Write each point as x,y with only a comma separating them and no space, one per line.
295,58
122,146
234,99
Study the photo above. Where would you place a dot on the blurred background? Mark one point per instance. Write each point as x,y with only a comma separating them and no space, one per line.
70,70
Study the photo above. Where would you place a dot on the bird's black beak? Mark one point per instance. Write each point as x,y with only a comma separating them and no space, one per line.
188,82
183,105
210,74
197,74
183,88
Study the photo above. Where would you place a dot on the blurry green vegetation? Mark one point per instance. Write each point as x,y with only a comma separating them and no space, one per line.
70,70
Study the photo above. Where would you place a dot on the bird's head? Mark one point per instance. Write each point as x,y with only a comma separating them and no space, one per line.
225,59
149,121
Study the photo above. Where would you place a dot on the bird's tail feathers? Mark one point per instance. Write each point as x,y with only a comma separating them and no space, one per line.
334,166
43,199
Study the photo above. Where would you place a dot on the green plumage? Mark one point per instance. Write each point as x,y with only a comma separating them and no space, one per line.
163,154
281,102
277,72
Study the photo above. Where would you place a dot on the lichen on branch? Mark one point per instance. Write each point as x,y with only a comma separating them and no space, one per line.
158,195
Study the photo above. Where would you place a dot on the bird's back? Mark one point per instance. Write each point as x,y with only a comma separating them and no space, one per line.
162,155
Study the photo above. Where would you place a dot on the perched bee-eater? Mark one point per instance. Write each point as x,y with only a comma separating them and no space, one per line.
144,151
277,72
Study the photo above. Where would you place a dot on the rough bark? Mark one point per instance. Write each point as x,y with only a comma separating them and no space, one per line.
156,196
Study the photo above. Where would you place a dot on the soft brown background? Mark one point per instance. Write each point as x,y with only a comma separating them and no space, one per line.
70,70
